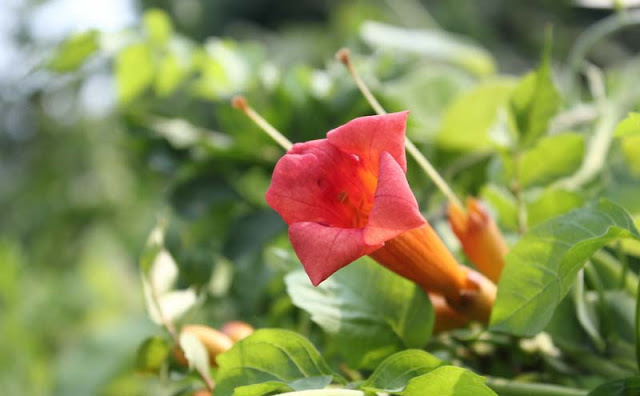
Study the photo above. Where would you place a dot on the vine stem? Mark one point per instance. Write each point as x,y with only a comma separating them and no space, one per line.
171,329
512,388
240,103
344,56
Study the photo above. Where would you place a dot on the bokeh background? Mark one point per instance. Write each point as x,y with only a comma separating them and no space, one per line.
89,157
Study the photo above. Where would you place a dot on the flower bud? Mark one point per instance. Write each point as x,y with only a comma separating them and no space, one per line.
480,237
215,341
237,330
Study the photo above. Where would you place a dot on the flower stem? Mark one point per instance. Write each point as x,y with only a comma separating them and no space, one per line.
344,57
512,388
240,103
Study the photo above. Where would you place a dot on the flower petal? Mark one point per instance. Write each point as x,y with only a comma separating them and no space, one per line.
306,183
324,250
395,209
368,137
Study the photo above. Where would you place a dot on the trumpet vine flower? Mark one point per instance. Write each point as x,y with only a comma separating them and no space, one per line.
347,196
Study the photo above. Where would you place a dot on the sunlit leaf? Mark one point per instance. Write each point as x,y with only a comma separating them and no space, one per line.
542,266
551,158
393,374
535,100
631,150
74,51
157,25
467,122
171,72
628,126
152,354
431,43
370,311
448,381
550,203
134,71
269,357
504,203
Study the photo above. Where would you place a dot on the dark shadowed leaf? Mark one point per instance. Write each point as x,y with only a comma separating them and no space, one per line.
625,387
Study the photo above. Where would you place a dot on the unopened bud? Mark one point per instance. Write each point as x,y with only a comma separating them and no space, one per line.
237,330
480,237
215,341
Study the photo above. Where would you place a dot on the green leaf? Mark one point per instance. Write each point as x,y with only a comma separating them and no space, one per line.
504,203
551,158
542,266
631,150
327,392
550,203
371,311
152,354
74,51
637,329
157,25
625,387
448,381
393,374
271,356
264,388
134,71
170,75
628,126
466,123
534,101
434,44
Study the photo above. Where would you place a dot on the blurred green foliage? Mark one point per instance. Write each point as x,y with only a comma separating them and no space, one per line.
82,182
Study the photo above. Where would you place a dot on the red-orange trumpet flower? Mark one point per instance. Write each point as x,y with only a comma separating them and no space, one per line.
347,196
480,237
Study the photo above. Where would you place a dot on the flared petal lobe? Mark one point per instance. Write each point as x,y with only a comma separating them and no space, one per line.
480,237
324,250
395,209
368,137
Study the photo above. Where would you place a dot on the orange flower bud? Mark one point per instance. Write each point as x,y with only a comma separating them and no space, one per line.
237,330
215,341
446,318
480,237
179,357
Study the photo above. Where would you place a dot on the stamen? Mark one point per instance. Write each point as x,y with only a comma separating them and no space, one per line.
240,103
343,56
343,196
